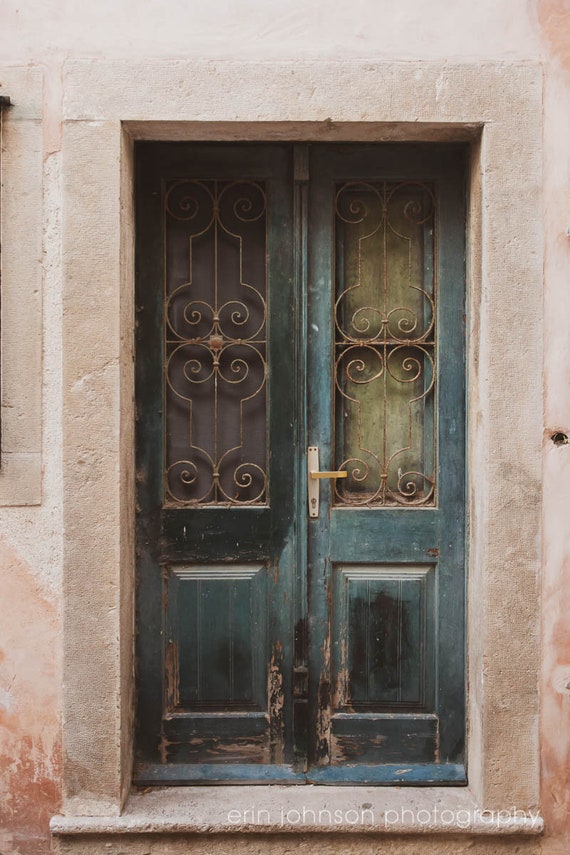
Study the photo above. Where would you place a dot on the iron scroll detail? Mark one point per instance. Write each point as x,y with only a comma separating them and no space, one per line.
215,336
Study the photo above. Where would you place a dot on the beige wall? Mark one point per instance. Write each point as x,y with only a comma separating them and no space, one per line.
43,477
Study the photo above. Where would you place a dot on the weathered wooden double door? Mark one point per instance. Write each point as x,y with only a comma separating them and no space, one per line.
300,463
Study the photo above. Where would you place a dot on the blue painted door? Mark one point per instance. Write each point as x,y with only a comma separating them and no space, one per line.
290,296
386,338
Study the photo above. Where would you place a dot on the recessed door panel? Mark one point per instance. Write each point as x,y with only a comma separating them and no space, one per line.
383,638
217,664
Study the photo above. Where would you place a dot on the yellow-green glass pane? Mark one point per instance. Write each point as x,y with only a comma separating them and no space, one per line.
385,346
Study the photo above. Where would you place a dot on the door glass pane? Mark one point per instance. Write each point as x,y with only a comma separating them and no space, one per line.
215,332
385,345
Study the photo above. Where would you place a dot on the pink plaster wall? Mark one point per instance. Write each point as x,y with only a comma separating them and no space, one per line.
47,32
30,680
553,17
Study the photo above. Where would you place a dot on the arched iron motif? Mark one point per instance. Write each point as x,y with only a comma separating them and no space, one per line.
215,333
385,343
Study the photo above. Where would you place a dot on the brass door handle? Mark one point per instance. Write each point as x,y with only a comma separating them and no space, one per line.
314,475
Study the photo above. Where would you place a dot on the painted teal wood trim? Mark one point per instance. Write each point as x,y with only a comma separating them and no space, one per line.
256,531
392,774
148,438
418,774
215,773
301,670
400,535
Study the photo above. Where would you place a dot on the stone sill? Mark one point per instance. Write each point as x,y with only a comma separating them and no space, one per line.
308,809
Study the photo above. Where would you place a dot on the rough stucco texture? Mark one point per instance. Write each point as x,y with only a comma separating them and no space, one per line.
29,711
38,30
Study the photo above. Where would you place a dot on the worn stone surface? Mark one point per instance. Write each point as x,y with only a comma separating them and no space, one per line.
91,464
301,91
315,844
418,810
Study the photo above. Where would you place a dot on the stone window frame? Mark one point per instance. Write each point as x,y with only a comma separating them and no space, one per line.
21,274
493,107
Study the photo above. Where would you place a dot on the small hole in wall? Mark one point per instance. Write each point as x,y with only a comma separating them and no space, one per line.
559,438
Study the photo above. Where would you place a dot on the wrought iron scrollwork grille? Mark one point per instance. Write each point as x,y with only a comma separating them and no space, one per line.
385,343
215,335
